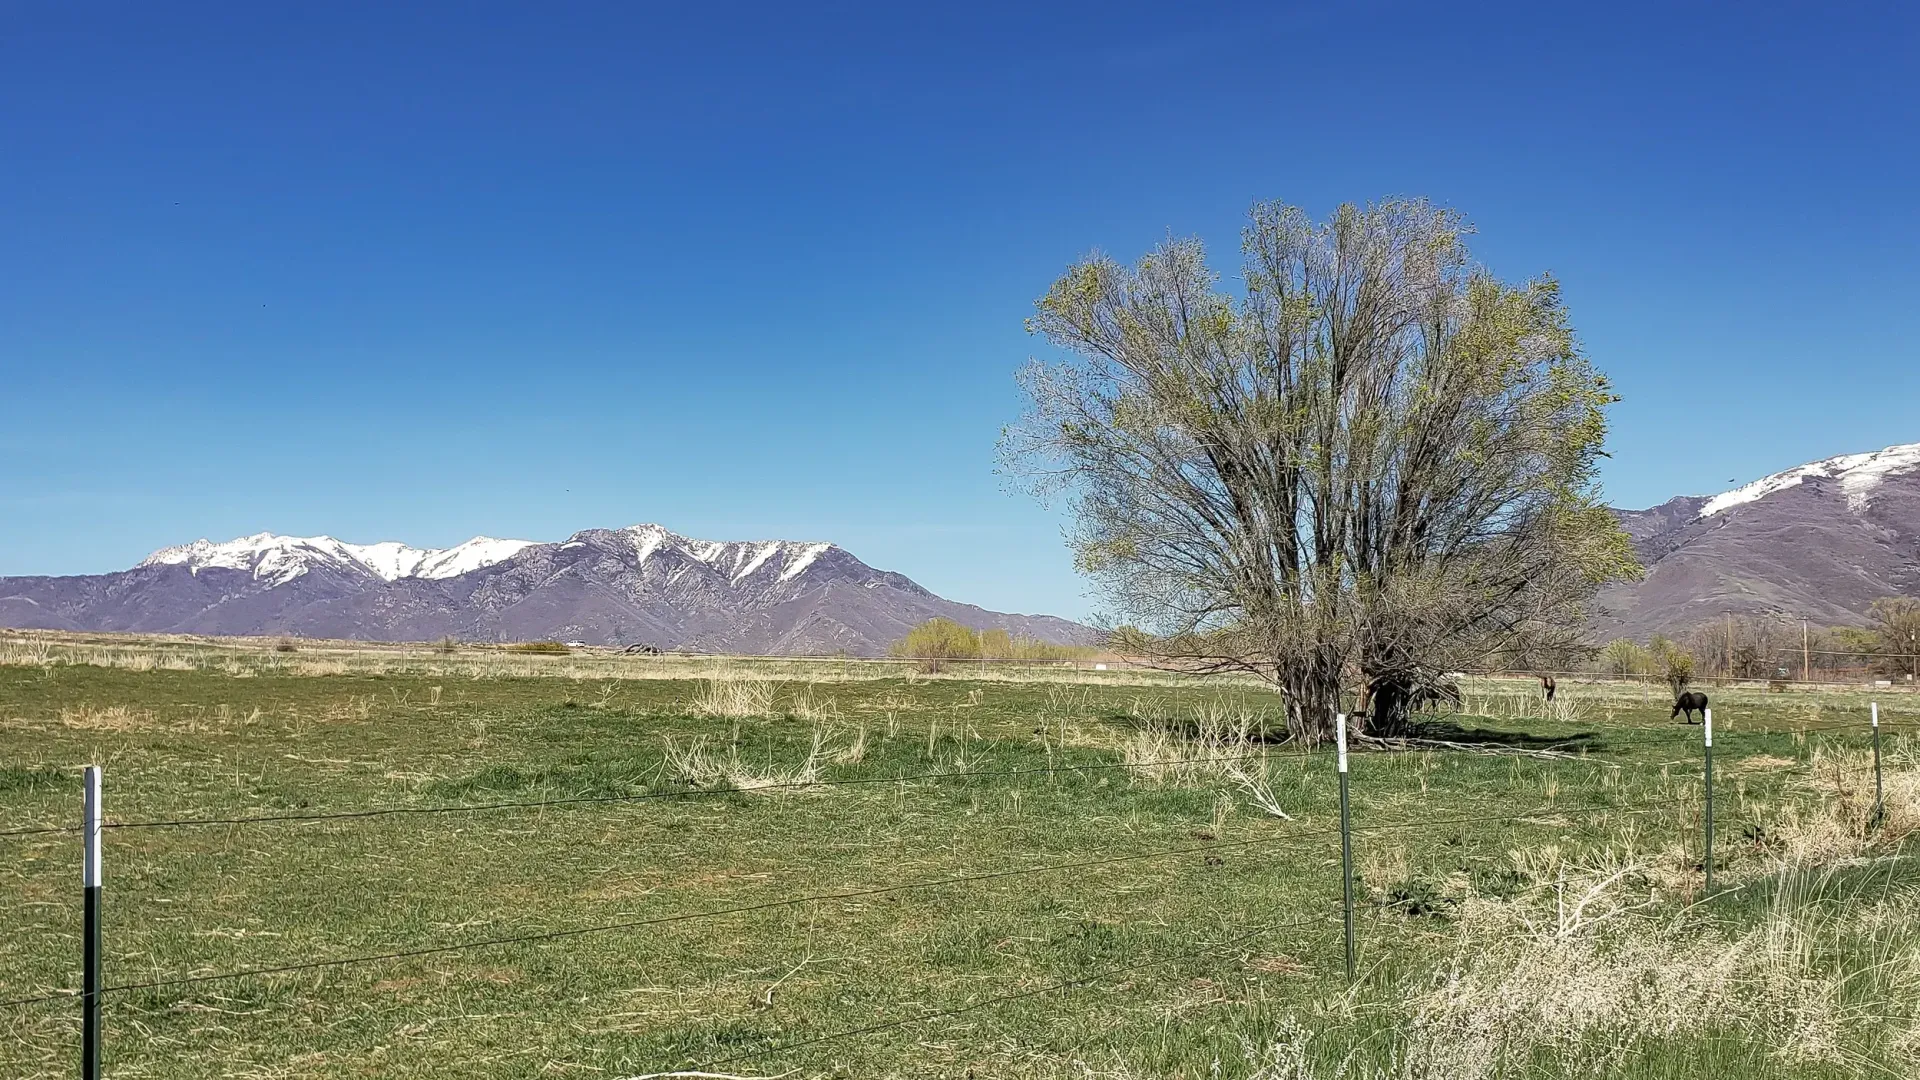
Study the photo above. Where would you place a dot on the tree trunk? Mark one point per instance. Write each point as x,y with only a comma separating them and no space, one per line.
1392,704
1312,686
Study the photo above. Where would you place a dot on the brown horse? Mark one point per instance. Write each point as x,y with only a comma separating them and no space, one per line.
1547,684
1689,703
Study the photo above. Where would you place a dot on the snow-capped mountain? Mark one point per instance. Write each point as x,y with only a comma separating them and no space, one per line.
277,560
736,559
639,584
1819,541
1857,474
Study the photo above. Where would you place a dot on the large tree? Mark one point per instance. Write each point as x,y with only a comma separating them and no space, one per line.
1373,466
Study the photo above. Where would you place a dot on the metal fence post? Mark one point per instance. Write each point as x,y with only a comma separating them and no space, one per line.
1879,795
1709,752
1346,840
90,931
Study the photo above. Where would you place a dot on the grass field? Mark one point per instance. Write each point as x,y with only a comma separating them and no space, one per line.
1529,898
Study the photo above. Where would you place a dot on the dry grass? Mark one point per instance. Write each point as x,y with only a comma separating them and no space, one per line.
803,705
107,718
700,763
245,657
727,695
1847,823
1502,700
1203,744
1520,980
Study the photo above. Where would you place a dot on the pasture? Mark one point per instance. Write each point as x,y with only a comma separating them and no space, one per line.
766,869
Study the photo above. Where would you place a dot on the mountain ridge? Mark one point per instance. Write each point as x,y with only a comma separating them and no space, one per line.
639,584
1819,541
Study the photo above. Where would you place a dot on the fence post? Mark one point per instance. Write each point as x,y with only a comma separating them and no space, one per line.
1879,796
1709,751
1346,840
90,930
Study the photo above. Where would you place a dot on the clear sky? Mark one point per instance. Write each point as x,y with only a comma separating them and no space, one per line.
526,269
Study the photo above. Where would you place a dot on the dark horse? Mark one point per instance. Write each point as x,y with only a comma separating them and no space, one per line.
1688,703
1546,683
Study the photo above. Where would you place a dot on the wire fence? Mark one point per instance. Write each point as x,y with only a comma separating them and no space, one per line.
1783,662
1292,835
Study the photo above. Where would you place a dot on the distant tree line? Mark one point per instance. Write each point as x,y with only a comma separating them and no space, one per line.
938,640
1778,647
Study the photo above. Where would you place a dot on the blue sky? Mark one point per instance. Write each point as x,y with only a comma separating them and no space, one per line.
525,269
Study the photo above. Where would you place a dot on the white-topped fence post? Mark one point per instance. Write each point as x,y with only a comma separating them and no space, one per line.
1709,760
1879,793
1346,839
90,930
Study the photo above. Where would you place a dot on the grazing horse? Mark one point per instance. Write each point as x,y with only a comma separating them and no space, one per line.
1547,684
1688,703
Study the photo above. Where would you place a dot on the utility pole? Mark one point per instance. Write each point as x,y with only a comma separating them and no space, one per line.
1729,646
1806,658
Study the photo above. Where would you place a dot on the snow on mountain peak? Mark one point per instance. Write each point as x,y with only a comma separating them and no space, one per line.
1858,474
737,559
279,559
276,559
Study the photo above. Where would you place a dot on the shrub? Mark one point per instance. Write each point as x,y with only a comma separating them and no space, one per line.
937,640
1679,670
448,645
283,645
996,643
1625,657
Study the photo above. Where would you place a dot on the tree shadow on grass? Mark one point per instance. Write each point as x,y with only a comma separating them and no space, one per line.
1272,734
1447,729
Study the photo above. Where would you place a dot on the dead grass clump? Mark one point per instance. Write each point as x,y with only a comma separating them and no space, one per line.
356,707
1844,823
1212,742
700,763
1205,742
804,706
855,751
107,718
29,653
1585,972
727,696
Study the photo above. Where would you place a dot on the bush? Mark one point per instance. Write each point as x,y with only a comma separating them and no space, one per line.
938,640
541,648
448,646
1679,670
283,645
1625,657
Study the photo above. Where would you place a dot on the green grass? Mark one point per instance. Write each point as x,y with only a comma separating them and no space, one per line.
248,739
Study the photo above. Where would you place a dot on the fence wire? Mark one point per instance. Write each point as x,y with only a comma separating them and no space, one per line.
851,894
643,796
1002,999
